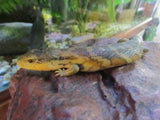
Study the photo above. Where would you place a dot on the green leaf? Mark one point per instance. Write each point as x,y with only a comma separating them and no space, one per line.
10,5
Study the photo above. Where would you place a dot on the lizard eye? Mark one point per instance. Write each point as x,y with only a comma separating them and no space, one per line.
30,61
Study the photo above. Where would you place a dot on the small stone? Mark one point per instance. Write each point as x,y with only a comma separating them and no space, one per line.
15,68
3,63
82,38
57,40
5,82
7,76
4,69
1,78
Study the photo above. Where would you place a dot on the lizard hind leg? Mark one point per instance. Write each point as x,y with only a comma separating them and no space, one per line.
67,70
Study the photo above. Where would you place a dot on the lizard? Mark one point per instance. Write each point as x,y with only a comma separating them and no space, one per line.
66,62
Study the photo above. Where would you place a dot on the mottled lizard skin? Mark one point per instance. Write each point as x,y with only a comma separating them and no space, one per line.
67,62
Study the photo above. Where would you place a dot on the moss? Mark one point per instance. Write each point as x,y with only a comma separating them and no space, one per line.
108,30
17,32
98,16
14,38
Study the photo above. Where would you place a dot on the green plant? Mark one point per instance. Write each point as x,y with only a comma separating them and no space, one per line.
111,8
37,31
10,5
80,12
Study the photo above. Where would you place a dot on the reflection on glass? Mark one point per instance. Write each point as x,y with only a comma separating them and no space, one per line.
102,18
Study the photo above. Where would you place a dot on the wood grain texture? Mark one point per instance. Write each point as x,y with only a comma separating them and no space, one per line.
4,102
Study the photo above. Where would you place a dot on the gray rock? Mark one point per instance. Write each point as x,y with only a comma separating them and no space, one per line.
58,40
57,37
80,39
7,72
4,83
14,37
4,67
14,69
10,72
7,76
1,78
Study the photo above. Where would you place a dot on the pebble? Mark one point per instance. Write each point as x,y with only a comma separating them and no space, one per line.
4,83
58,40
4,69
1,78
7,76
6,72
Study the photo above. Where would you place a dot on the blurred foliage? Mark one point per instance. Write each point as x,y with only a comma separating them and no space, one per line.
65,10
37,31
59,10
47,15
80,10
62,10
111,8
10,5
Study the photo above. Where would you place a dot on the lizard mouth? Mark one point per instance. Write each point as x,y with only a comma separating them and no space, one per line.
19,63
32,66
23,64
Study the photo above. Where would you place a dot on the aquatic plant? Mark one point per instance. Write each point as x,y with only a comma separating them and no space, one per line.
59,10
80,13
37,31
111,8
10,5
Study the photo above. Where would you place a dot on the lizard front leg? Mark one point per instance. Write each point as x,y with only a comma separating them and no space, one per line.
67,70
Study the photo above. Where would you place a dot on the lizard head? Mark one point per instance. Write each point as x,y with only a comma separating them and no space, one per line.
33,60
45,60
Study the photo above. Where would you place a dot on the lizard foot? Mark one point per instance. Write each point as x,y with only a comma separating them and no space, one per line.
69,70
60,72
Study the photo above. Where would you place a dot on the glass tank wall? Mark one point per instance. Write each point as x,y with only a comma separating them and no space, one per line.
94,18
62,23
97,16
